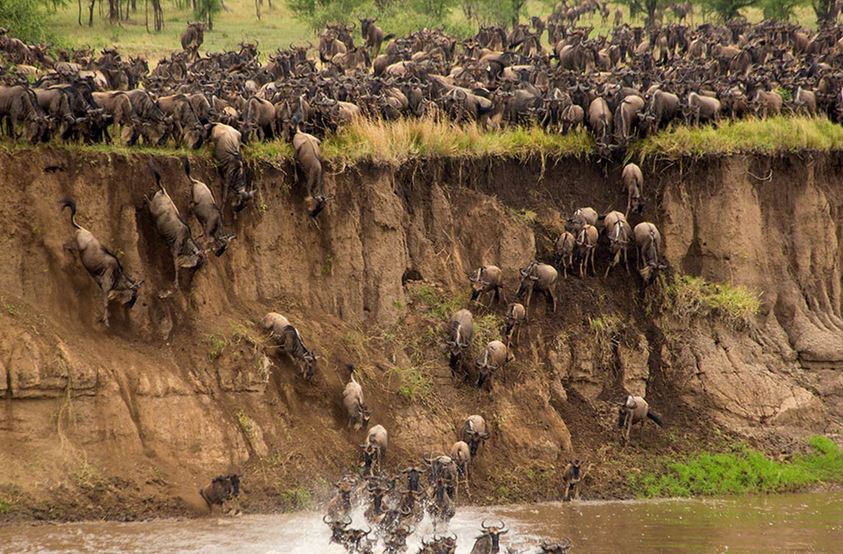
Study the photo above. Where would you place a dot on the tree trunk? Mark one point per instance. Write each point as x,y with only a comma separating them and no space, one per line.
91,13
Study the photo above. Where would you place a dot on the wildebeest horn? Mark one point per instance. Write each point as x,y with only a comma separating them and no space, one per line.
483,524
326,520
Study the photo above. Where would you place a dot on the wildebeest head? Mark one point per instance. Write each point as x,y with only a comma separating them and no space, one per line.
492,534
575,468
556,548
413,474
528,278
125,290
338,528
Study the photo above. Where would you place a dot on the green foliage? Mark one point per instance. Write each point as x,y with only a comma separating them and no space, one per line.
246,423
295,499
741,471
415,385
25,19
781,10
317,13
689,297
729,9
216,344
646,8
206,9
6,506
439,304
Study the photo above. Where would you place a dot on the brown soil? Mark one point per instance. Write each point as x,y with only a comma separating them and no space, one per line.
129,422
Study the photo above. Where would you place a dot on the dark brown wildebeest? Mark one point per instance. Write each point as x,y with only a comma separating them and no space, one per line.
489,540
633,183
373,35
173,229
192,38
221,489
102,265
309,162
19,105
206,211
571,478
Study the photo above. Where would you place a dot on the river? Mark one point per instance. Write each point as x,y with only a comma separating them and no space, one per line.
778,523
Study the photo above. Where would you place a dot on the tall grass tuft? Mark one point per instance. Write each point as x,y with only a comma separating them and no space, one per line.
771,135
690,297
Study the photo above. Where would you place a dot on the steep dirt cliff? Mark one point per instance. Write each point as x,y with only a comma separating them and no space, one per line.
131,421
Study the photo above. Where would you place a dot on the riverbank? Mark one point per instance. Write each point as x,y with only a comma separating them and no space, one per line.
129,422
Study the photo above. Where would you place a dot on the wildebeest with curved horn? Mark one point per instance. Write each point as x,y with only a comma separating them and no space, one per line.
475,433
173,229
373,35
352,399
460,332
486,279
571,478
102,266
289,341
635,410
537,277
495,356
340,503
585,245
204,208
633,182
619,233
648,244
221,489
489,541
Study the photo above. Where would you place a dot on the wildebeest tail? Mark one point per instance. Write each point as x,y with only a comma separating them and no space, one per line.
390,36
155,173
655,417
68,202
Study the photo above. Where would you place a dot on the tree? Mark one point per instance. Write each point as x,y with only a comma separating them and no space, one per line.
780,10
25,18
647,7
205,10
826,10
728,9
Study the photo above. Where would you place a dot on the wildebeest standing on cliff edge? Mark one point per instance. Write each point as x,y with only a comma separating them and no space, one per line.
102,265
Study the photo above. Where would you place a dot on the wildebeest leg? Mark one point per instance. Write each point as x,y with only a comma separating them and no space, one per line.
626,259
552,299
608,267
105,309
593,270
628,429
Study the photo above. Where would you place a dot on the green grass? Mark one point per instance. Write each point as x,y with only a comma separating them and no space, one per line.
741,471
416,384
276,29
295,499
690,297
439,304
6,506
773,135
216,345
246,423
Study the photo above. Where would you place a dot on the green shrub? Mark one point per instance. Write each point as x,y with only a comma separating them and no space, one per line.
415,383
690,297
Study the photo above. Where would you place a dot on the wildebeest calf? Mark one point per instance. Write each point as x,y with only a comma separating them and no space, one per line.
221,489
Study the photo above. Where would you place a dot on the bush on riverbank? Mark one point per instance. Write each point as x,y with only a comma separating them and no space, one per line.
743,470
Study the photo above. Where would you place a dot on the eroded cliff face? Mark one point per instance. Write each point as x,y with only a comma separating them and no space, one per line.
131,421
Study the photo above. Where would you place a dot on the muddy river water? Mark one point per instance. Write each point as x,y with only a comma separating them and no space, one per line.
782,523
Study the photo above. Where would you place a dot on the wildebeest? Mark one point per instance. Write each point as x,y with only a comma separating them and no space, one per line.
702,108
374,449
372,34
352,399
516,315
439,545
565,252
460,332
571,478
600,121
562,547
18,104
475,433
309,161
193,37
288,340
486,279
340,504
489,540
585,244
633,182
635,410
339,533
226,141
461,455
495,356
204,208
648,244
173,229
102,266
538,277
441,507
619,234
221,489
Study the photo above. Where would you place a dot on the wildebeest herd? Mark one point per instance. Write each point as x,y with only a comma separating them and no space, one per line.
628,84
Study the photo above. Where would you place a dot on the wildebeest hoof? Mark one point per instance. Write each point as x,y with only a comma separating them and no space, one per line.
316,205
219,251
